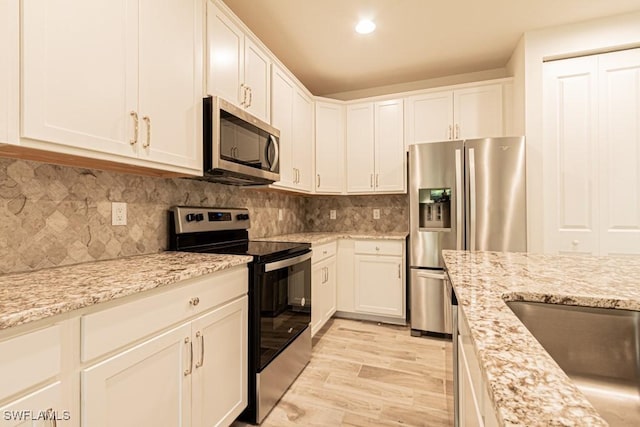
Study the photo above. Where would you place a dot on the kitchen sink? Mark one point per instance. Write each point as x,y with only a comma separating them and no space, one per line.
598,348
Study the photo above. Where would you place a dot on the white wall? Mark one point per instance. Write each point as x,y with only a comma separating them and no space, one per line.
594,36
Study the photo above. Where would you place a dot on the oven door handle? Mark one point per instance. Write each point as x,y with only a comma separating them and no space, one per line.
277,265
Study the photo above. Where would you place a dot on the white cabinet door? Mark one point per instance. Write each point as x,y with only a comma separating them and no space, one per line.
478,112
429,117
360,148
570,155
390,157
303,140
220,365
79,90
330,289
470,414
149,384
225,56
329,148
257,80
317,297
619,152
170,83
44,404
8,33
379,285
282,96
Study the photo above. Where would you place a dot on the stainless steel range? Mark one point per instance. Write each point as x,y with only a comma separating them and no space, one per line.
279,297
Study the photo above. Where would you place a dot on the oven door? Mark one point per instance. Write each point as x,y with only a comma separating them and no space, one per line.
285,304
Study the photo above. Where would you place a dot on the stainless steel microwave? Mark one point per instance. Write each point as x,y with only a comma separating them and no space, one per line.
239,149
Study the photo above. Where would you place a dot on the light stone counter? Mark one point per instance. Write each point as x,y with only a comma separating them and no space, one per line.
526,385
319,238
27,297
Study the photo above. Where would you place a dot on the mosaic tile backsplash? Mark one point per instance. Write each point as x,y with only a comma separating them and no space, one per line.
54,215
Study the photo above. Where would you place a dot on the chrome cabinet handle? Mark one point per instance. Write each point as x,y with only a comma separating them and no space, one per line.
201,361
147,120
450,131
243,95
457,131
188,341
134,141
377,180
250,96
317,180
298,171
399,276
371,181
194,301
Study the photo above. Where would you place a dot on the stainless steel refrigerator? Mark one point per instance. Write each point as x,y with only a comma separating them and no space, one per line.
467,195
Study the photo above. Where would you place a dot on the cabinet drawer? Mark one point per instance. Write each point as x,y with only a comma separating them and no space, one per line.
116,327
379,247
29,359
324,251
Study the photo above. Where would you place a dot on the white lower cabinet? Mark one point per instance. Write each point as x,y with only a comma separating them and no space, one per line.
475,408
323,285
145,385
379,278
192,375
42,408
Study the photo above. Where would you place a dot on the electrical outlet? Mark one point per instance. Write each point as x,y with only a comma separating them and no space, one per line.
376,214
118,213
332,214
280,215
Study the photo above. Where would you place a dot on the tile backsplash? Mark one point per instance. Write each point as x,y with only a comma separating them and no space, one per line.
54,215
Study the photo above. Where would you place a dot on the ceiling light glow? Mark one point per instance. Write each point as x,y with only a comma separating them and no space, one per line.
365,26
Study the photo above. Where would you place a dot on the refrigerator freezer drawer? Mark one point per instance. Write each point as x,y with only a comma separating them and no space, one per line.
430,307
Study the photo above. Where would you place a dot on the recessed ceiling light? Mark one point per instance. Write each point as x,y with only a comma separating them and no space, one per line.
365,26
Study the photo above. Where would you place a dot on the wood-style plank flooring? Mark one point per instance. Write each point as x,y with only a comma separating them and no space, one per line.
369,374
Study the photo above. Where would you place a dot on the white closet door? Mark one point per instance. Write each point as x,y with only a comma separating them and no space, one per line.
78,90
619,156
569,156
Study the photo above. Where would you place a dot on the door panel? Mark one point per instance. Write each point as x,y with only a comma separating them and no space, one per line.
496,194
329,148
78,91
225,61
569,156
429,117
360,148
303,139
282,119
390,161
433,166
428,301
478,112
171,39
379,285
619,153
256,77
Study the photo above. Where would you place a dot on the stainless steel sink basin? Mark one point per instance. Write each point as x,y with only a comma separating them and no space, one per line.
598,348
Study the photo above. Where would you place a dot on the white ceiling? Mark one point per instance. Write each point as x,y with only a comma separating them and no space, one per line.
414,39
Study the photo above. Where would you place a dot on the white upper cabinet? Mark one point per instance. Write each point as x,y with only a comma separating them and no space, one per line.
390,158
237,69
5,69
329,147
375,147
473,112
360,148
591,157
130,85
292,114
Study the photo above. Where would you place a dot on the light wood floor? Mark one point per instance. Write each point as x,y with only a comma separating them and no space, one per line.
368,374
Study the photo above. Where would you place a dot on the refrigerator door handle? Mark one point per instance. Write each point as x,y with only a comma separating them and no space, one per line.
472,199
458,199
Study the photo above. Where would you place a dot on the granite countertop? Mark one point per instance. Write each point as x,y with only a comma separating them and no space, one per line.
318,238
31,296
526,385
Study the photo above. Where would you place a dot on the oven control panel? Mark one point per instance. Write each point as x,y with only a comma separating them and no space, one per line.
196,219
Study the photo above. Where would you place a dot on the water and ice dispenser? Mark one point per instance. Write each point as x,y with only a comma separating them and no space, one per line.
435,208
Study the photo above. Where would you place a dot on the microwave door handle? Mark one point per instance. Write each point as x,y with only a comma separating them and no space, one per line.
276,155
